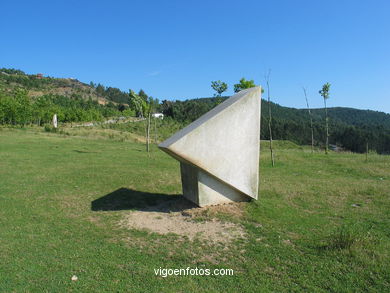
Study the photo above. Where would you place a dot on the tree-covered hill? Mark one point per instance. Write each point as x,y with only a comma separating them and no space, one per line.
34,98
355,117
349,128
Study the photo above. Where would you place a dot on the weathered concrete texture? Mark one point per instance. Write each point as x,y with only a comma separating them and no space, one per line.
219,151
204,189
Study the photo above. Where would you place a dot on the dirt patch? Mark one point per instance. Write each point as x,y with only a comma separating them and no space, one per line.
232,210
185,219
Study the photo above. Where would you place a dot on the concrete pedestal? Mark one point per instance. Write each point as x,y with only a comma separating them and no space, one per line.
204,189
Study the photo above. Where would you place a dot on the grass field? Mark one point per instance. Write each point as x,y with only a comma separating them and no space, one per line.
321,224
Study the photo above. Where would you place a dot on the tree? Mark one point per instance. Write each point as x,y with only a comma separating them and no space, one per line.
137,103
154,104
324,92
23,107
150,107
270,119
243,84
219,87
143,95
167,108
311,121
8,110
148,132
121,107
100,90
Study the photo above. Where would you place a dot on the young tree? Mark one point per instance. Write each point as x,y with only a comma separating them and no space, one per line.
269,119
151,106
243,84
324,92
219,87
148,132
137,103
311,120
368,137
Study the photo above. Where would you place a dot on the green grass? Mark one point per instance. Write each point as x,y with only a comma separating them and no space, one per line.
160,129
321,223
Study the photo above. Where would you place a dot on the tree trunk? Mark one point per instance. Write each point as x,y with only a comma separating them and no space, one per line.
327,128
148,133
270,125
311,122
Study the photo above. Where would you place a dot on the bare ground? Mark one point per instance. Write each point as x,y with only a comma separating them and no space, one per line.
185,219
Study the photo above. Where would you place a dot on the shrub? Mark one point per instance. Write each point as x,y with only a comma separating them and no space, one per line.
50,128
343,238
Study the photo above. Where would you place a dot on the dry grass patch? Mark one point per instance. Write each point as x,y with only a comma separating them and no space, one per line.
182,218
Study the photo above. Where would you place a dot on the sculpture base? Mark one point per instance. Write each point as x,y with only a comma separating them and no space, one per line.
204,189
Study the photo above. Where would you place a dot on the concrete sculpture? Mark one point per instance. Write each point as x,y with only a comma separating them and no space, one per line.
219,152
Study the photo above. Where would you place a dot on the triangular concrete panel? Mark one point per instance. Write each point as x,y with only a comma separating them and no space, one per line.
224,142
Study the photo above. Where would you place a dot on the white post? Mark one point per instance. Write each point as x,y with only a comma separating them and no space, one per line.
55,123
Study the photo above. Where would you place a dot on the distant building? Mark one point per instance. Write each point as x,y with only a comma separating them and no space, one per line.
39,75
158,115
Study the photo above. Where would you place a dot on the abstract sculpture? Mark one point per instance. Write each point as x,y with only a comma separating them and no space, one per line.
55,122
219,152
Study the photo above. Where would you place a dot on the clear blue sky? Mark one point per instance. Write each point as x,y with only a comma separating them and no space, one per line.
174,49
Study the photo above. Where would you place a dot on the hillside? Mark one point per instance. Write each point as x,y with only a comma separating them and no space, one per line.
38,85
349,128
344,115
75,101
356,117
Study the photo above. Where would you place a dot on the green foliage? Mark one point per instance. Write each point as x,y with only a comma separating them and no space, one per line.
137,103
116,95
143,95
16,109
189,110
19,109
11,71
219,87
128,113
350,127
243,84
324,92
154,104
50,128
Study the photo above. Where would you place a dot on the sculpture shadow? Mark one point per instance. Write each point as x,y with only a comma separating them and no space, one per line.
129,199
84,152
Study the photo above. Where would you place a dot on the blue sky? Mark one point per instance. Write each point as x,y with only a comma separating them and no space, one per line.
174,49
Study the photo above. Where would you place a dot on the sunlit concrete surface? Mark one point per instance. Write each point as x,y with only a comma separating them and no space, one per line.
219,152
